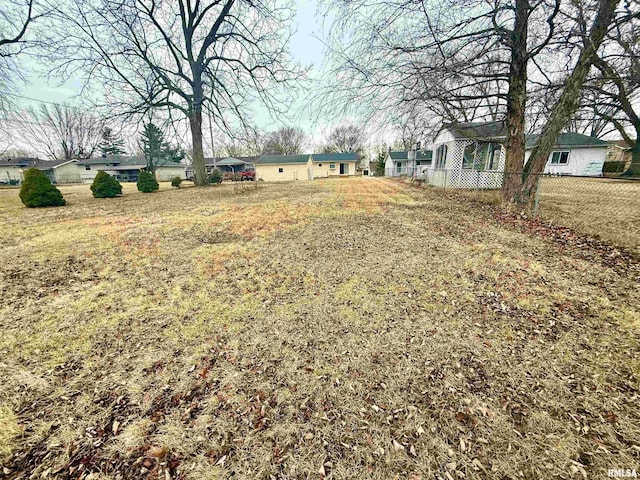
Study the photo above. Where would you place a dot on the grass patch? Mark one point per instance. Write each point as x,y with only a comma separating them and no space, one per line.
343,329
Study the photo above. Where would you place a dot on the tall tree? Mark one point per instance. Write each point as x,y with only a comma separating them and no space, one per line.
470,60
348,137
286,141
111,143
191,57
157,151
60,131
566,105
246,143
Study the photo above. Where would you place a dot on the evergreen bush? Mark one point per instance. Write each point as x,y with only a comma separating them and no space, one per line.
147,182
37,190
105,186
176,181
216,176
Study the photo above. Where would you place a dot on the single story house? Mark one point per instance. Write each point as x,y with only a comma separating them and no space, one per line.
126,168
279,168
472,155
411,163
275,168
325,165
225,164
59,171
396,163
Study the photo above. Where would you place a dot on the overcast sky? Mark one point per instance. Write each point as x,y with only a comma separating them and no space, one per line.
306,48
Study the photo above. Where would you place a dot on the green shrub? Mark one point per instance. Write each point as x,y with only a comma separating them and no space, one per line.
216,176
176,181
37,190
105,186
147,182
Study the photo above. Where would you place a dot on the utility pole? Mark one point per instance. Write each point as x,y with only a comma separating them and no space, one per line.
213,147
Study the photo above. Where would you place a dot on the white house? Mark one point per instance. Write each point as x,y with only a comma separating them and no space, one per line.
59,171
126,169
410,163
472,155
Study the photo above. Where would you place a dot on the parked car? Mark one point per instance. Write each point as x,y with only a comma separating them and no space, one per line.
248,175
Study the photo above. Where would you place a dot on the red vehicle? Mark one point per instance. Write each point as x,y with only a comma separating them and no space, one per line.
248,175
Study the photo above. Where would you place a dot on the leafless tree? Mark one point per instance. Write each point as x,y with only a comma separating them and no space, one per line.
468,60
216,57
286,141
615,85
592,35
348,137
15,18
244,143
60,131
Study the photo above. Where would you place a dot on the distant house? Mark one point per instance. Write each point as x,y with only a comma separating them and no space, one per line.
59,171
126,168
278,168
225,164
397,163
333,164
472,155
411,163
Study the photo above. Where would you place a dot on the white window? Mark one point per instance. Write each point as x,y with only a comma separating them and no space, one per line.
280,170
559,158
493,158
468,156
332,166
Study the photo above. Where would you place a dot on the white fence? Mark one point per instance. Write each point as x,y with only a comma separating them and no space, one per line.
464,178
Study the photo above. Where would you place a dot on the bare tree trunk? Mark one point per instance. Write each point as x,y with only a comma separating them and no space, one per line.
568,102
516,104
199,168
634,167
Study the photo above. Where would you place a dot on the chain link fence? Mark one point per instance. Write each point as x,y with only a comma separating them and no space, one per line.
604,207
608,208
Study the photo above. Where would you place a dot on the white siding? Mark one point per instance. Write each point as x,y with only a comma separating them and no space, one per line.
582,161
444,136
10,172
67,173
167,172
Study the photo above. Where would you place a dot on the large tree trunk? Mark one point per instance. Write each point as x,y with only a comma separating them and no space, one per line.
568,102
199,168
516,104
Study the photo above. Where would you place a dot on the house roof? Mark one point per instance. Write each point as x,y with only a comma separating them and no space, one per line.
498,131
117,159
121,162
282,159
335,157
569,139
231,161
209,161
424,155
31,162
397,155
479,130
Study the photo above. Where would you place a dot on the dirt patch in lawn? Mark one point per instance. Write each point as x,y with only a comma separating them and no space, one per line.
352,329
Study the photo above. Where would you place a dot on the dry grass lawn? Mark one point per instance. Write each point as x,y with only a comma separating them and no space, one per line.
608,209
356,329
